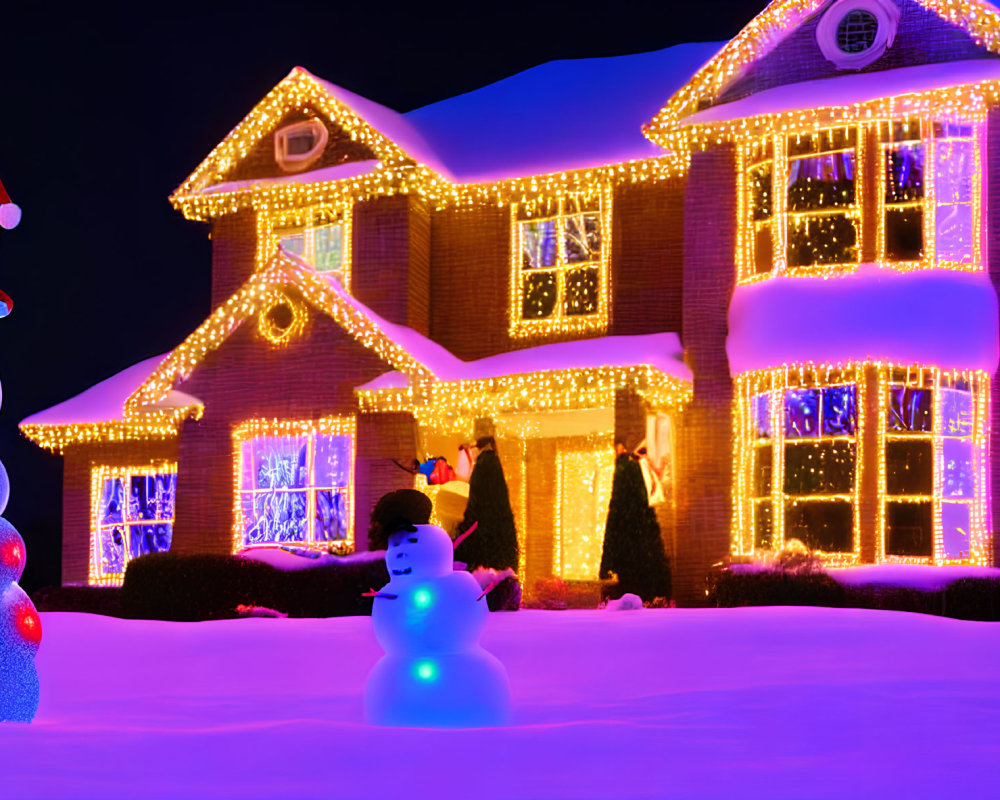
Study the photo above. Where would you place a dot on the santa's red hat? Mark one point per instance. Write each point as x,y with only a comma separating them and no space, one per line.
10,213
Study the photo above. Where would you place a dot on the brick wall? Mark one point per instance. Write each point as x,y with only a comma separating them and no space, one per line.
646,257
234,247
248,378
470,254
381,438
390,269
922,37
704,435
78,462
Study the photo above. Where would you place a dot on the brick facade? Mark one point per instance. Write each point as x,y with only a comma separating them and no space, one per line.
991,243
704,435
234,250
248,378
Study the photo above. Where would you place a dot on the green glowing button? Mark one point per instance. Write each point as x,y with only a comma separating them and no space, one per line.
426,670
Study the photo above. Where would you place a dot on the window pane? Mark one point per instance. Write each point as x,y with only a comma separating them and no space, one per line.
333,461
112,501
955,523
822,240
582,238
825,181
909,467
331,516
954,233
909,409
904,234
819,468
539,295
953,172
761,415
839,410
821,525
538,244
274,516
958,479
904,171
294,243
762,526
112,545
956,412
152,497
149,538
329,245
761,204
801,413
581,291
762,470
908,530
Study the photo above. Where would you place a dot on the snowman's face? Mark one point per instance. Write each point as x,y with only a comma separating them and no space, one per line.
426,552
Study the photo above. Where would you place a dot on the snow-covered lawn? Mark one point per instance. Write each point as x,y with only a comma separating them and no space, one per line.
747,702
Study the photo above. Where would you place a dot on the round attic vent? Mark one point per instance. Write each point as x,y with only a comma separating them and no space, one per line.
854,33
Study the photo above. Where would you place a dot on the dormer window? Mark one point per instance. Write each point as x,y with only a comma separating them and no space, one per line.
297,146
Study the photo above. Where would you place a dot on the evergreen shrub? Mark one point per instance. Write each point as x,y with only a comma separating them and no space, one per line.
633,549
973,598
730,589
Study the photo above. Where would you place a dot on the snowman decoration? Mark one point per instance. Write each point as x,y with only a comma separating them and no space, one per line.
20,627
428,619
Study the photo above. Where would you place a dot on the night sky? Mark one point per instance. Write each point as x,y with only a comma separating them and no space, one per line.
108,107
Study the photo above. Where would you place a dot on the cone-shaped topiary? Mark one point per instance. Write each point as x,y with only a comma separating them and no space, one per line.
494,542
633,549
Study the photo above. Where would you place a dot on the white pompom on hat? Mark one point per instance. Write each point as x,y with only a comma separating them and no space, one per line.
10,213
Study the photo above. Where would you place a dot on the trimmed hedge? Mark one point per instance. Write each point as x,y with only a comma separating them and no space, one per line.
963,598
187,588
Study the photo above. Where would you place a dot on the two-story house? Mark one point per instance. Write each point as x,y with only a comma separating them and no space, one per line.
770,259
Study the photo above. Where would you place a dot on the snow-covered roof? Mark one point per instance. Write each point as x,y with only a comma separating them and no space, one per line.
105,401
845,90
559,116
941,317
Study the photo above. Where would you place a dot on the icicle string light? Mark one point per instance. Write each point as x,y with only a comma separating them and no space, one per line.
146,425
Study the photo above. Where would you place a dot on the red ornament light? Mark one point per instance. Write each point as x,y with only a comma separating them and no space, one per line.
11,555
28,623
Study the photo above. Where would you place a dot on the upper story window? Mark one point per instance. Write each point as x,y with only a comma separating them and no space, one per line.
321,237
855,33
299,145
902,193
559,272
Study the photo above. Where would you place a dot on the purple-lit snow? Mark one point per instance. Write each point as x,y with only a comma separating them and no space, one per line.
751,702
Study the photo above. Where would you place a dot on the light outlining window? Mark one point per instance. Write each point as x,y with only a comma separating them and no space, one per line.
933,463
560,248
925,196
293,484
797,464
920,472
319,235
299,145
132,514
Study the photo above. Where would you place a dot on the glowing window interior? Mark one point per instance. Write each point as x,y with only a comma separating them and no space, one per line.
134,515
322,246
584,478
295,487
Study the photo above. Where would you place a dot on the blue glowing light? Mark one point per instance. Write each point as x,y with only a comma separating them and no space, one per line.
426,670
422,598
